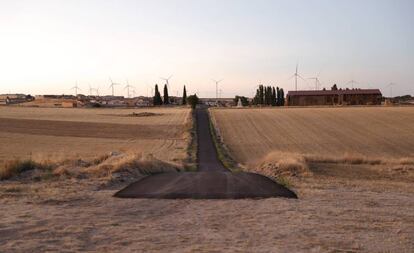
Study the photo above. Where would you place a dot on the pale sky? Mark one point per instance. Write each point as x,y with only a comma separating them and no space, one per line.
48,46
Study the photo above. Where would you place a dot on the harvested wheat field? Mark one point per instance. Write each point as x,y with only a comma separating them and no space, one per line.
350,208
59,133
353,167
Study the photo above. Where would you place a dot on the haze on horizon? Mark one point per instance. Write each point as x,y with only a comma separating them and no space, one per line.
47,46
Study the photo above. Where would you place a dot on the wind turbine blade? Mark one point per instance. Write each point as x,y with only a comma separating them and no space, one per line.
169,77
292,76
301,77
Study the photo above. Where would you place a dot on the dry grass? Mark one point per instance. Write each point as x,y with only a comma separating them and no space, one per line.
356,135
108,166
372,143
56,134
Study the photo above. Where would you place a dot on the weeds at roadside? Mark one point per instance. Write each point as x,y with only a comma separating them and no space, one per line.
222,152
190,164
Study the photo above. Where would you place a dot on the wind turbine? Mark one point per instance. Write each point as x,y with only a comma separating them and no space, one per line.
166,80
217,82
133,92
127,87
90,90
76,88
352,82
112,85
296,75
317,82
390,86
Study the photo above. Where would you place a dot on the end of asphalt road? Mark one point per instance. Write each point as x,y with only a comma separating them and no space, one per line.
205,185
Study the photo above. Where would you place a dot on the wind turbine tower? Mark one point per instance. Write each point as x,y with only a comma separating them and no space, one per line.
390,86
296,75
127,87
352,82
112,86
217,82
76,88
317,82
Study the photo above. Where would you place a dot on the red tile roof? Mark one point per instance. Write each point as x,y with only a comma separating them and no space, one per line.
334,92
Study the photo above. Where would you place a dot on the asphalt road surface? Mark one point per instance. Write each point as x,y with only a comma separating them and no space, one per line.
212,181
206,153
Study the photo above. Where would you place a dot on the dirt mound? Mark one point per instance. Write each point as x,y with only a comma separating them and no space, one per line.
205,185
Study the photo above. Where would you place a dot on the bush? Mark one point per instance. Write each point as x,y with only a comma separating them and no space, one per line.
15,167
193,101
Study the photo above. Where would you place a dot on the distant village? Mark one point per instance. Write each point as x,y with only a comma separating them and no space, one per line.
265,96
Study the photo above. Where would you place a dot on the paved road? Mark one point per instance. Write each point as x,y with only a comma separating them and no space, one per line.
206,153
212,181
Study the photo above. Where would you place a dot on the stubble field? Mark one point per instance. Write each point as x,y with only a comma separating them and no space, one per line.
342,207
55,134
352,168
370,132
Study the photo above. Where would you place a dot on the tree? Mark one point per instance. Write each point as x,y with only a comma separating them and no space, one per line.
244,100
261,94
193,100
268,95
334,87
277,96
157,96
256,97
274,100
166,99
282,97
184,96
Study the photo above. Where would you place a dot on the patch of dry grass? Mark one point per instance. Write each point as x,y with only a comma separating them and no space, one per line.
15,167
107,166
285,165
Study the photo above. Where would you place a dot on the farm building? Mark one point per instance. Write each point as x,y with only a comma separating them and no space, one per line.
334,97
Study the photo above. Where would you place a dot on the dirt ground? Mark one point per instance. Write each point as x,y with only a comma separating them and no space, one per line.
341,208
332,214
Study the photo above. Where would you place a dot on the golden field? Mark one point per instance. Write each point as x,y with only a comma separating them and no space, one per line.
355,202
352,168
371,132
63,133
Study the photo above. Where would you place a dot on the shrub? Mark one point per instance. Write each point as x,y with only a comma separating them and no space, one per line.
15,167
192,100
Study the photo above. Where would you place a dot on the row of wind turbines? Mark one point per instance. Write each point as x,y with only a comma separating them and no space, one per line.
316,78
318,83
130,88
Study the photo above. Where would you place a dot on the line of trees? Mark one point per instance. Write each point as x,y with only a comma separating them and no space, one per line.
268,95
158,100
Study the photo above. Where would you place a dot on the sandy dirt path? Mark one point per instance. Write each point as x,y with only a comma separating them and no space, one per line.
329,217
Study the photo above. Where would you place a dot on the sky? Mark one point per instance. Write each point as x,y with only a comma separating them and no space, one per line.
49,46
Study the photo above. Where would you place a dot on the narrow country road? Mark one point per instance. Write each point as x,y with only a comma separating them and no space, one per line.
207,154
211,181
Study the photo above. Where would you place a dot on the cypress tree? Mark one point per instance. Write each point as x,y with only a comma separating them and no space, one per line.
277,96
157,96
269,95
166,99
256,97
261,94
282,97
273,96
184,96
